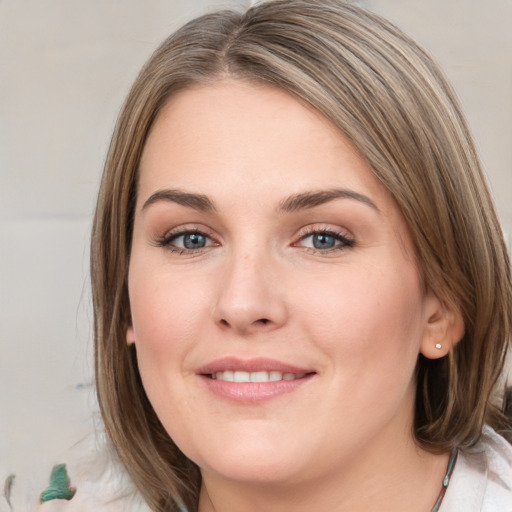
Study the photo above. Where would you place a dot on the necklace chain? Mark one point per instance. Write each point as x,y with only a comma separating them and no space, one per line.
446,480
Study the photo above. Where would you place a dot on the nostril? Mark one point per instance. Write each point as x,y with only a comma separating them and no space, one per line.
243,324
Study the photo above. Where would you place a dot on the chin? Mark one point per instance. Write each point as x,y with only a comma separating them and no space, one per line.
255,471
252,461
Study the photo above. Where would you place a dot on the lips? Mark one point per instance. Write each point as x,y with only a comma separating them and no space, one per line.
254,380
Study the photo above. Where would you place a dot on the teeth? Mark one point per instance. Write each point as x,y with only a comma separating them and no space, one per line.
258,376
240,376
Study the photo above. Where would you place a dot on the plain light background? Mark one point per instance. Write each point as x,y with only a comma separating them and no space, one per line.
65,67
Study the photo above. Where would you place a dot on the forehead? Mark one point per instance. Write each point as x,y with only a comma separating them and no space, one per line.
247,133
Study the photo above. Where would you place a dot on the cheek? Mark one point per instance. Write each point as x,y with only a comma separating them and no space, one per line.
167,318
367,313
165,309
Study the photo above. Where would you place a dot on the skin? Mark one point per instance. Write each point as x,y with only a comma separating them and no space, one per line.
356,314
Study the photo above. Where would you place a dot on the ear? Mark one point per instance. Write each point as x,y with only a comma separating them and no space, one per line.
130,336
444,328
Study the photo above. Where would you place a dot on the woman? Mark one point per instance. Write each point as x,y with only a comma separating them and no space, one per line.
302,296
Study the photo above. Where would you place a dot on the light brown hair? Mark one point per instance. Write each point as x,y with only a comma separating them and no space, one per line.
388,97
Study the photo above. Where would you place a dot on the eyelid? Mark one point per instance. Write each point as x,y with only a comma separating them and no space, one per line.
165,240
347,240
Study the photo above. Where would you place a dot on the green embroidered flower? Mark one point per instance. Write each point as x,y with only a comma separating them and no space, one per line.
59,488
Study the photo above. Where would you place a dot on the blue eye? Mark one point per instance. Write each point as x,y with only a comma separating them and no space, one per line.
323,241
326,241
186,241
193,241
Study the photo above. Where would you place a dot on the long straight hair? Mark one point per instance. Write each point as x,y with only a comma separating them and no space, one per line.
387,96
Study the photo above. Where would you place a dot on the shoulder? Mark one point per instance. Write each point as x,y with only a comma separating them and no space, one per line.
87,478
482,478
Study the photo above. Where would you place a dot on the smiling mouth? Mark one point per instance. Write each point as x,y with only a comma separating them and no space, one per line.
253,381
259,376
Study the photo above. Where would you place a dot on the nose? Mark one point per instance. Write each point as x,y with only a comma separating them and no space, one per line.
250,297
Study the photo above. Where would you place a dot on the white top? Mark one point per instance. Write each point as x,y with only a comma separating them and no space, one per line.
481,482
482,478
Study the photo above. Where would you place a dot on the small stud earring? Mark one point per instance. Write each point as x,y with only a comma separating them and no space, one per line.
439,346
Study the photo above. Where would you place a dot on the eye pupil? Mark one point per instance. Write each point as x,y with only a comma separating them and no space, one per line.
323,241
194,241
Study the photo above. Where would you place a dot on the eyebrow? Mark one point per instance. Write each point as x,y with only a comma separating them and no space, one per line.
306,200
294,203
196,201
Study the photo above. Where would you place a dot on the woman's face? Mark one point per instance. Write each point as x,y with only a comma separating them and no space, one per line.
277,308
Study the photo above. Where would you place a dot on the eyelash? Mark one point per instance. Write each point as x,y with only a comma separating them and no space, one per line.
167,240
344,242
